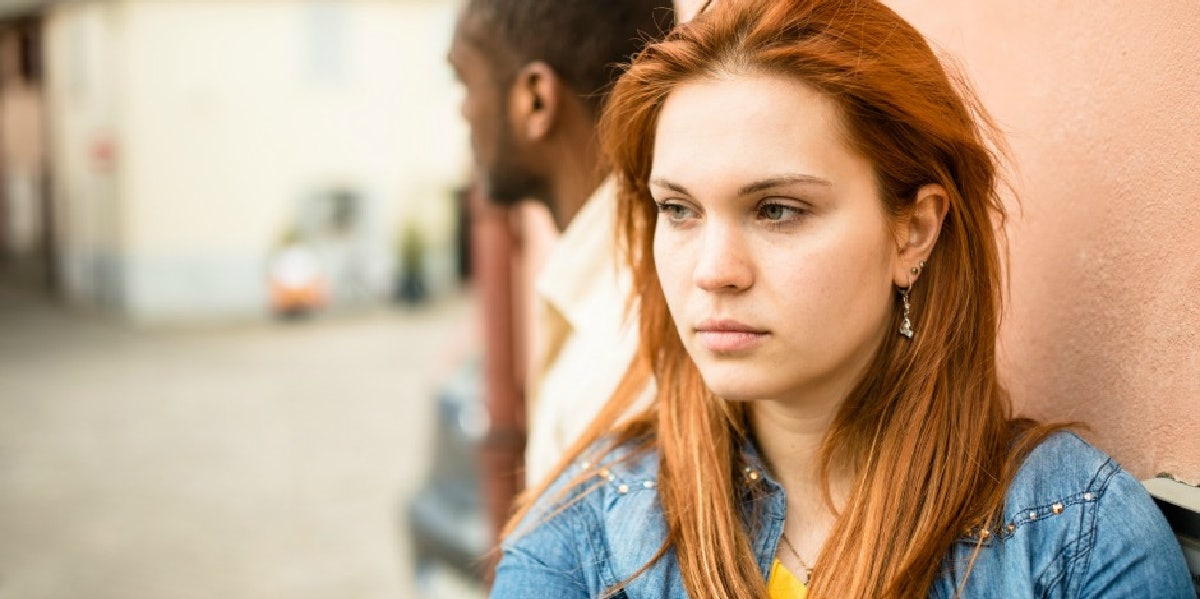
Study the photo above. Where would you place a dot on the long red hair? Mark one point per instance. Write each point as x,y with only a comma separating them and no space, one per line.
927,431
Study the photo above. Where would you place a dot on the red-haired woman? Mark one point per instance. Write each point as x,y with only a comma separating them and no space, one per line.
809,203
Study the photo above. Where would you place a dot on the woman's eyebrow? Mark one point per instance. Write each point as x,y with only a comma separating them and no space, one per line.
675,187
754,187
772,182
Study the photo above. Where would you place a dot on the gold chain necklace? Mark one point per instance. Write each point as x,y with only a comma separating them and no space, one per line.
796,554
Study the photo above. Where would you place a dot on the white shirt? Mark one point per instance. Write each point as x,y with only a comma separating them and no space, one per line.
586,342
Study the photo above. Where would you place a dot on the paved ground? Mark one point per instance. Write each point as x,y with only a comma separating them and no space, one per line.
256,461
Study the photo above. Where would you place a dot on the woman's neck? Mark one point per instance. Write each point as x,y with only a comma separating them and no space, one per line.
790,440
790,436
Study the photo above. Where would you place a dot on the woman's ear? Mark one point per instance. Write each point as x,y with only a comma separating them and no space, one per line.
534,101
917,233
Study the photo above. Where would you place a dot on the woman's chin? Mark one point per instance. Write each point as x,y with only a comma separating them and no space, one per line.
731,391
741,381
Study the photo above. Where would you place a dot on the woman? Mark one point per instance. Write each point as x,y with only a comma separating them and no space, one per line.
809,204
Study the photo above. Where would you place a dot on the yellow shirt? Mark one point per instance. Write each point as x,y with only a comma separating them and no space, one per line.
784,585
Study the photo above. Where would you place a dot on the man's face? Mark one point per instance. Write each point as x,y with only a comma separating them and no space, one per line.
485,107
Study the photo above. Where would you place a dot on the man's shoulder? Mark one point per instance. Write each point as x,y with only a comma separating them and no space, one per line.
583,272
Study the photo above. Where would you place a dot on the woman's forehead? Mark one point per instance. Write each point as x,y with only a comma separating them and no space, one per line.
749,127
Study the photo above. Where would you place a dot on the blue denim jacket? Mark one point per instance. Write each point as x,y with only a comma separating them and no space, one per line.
1075,525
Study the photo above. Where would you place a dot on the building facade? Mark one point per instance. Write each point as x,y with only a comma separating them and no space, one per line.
184,141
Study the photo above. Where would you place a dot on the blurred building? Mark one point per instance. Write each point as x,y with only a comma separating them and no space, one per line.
156,154
23,170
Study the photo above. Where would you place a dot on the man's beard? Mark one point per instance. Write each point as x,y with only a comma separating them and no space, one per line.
507,187
507,182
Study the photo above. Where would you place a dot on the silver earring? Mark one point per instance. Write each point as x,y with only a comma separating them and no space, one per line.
906,326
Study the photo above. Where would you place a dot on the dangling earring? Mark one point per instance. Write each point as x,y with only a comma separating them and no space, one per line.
906,326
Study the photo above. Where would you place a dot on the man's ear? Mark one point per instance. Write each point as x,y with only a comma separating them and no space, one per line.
534,101
917,233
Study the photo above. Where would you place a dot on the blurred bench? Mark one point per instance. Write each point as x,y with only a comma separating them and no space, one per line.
1180,503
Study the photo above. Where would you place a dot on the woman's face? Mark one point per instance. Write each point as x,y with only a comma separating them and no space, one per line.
772,245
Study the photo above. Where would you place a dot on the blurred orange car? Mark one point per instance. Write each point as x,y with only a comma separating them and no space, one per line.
297,284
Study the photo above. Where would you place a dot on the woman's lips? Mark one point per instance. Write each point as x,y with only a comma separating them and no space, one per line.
729,336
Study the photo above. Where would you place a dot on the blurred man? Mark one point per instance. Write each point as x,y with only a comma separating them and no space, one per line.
536,74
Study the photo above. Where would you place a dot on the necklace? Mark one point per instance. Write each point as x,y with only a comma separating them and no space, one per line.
796,554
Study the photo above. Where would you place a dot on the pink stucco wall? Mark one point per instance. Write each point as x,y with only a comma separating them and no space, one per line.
1100,102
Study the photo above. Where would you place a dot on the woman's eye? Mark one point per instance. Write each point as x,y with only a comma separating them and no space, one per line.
674,211
779,212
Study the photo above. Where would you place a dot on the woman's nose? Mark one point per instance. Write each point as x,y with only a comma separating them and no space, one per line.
724,263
